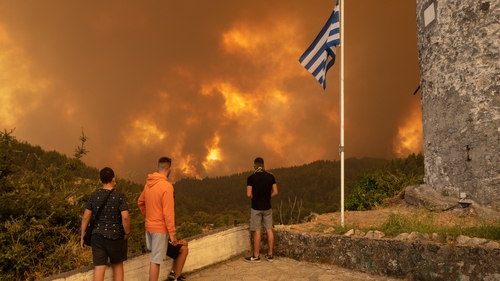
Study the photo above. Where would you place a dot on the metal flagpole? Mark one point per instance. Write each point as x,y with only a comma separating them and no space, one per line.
315,60
341,147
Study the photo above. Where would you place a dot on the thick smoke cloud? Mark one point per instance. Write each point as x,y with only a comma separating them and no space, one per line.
212,84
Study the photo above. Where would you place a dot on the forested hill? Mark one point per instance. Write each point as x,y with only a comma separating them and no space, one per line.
315,187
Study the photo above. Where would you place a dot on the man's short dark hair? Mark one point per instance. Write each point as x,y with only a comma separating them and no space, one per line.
164,163
107,175
258,161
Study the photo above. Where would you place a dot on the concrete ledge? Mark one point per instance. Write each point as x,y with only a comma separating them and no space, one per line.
204,250
412,260
217,246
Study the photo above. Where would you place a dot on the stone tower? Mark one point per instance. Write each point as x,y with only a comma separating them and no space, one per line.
459,57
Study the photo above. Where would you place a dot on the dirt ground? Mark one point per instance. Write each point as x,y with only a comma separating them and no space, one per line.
376,218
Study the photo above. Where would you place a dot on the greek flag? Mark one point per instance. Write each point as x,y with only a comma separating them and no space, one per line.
320,56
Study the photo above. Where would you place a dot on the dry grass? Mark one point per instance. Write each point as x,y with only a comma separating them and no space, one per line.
396,215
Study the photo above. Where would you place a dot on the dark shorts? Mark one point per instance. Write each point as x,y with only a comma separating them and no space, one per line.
173,251
102,249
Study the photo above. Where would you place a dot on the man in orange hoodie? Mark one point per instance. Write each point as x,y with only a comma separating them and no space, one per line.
157,205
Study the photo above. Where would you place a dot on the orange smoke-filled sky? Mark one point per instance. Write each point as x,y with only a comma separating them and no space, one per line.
212,84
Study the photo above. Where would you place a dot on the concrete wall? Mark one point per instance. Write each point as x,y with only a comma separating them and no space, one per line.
412,260
204,250
459,58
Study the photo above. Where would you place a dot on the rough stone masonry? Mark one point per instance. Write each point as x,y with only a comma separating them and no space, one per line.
459,57
408,259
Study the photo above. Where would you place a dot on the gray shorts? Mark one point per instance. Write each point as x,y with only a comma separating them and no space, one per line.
157,243
259,219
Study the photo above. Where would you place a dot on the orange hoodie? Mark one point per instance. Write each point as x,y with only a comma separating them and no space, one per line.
157,204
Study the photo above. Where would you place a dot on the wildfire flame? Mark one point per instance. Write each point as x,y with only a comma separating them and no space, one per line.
409,139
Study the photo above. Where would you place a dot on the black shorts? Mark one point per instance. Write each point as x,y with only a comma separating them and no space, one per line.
173,251
102,249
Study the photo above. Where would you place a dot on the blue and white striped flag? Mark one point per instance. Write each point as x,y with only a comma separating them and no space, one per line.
320,56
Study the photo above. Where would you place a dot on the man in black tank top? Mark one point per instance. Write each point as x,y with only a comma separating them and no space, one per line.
261,186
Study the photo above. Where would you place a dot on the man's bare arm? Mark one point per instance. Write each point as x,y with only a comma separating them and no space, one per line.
274,190
126,223
249,191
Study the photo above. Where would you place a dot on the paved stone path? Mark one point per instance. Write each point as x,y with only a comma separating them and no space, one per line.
282,269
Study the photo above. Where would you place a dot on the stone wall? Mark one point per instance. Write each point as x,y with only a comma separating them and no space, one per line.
459,57
412,260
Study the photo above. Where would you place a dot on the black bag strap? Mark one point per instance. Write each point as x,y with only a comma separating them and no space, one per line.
102,206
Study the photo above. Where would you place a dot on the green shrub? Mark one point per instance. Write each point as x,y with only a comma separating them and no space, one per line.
188,229
388,182
41,211
365,195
